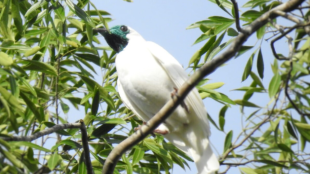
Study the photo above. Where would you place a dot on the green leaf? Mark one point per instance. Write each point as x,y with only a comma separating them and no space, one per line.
219,48
137,155
76,23
221,5
82,165
11,158
206,35
35,32
12,100
261,32
70,143
222,98
5,60
299,67
40,66
87,97
232,32
203,50
34,7
243,49
257,80
213,122
65,108
228,140
53,161
215,85
202,89
29,144
260,64
285,148
152,145
96,102
303,126
274,85
32,107
214,46
247,170
252,14
113,121
128,166
248,68
46,39
291,130
246,103
222,117
80,13
32,51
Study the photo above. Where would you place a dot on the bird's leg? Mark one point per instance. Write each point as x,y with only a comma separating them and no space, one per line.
158,131
139,127
175,93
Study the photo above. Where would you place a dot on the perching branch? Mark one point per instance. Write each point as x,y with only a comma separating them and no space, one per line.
48,131
237,16
205,70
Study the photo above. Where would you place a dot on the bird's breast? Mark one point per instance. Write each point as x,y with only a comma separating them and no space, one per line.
143,79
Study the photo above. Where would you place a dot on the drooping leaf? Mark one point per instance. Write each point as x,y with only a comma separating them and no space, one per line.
274,85
248,68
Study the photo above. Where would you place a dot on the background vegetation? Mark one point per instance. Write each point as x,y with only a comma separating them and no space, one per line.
47,61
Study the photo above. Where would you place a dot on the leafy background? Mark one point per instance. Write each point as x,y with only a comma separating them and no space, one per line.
52,64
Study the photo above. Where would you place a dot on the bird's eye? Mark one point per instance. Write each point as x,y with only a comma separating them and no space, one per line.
124,28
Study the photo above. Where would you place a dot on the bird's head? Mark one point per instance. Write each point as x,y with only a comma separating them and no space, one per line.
116,37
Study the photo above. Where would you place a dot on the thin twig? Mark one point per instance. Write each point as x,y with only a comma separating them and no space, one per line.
205,70
42,133
86,148
57,97
252,132
289,17
287,94
237,16
279,37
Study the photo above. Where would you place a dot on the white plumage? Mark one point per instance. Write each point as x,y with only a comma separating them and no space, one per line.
147,75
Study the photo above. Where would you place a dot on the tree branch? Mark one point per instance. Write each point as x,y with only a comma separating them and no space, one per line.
205,70
279,37
42,133
287,94
86,148
237,16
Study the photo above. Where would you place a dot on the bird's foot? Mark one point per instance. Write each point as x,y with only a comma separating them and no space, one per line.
139,127
158,131
175,93
162,132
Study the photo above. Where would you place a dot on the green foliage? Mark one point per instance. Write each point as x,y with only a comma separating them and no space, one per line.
49,64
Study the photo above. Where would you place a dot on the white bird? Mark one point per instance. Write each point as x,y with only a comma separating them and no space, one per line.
147,77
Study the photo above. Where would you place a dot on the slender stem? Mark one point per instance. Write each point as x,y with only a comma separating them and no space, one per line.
86,148
44,132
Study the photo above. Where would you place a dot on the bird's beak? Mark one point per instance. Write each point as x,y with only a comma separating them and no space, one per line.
102,30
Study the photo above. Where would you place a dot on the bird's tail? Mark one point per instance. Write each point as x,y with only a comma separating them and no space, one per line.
197,147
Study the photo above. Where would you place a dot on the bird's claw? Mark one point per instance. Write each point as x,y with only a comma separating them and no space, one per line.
158,131
175,93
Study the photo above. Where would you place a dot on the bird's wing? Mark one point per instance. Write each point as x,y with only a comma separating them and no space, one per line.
129,104
196,135
179,76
